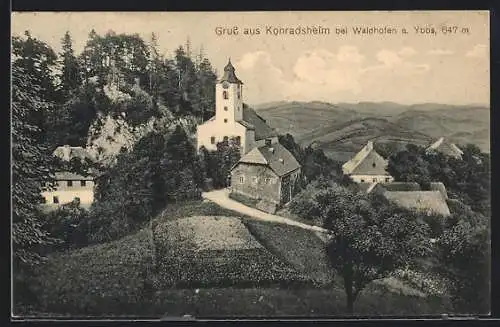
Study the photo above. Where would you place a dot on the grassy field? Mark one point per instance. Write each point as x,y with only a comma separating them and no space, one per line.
260,269
218,251
108,278
244,199
301,248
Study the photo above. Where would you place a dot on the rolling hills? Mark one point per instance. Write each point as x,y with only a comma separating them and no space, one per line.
344,128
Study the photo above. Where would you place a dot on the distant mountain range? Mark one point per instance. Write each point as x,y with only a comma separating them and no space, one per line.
344,128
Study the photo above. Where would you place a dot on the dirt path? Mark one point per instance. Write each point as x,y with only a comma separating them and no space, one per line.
221,197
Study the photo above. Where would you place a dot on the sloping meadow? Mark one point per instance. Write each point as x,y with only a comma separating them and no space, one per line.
111,278
216,251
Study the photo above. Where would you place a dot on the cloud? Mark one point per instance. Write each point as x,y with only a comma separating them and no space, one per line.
320,74
263,79
349,54
249,59
396,63
407,52
321,71
389,58
478,51
439,52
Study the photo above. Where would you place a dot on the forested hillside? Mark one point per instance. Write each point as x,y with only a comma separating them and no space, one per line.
134,109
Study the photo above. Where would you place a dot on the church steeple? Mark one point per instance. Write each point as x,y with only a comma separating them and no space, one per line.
229,75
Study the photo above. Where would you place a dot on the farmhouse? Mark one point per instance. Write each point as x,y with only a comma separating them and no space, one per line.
367,166
267,173
232,119
410,196
70,186
446,148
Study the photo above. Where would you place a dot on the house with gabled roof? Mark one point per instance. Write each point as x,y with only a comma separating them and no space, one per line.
367,166
410,196
446,148
267,173
70,186
232,119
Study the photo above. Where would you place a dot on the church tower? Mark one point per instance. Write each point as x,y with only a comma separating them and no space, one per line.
229,97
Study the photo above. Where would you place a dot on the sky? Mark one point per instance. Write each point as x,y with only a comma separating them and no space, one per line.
407,68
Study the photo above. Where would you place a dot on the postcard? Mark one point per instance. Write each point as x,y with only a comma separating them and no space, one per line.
250,165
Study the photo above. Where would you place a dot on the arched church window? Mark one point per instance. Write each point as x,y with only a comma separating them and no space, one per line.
225,108
239,94
225,95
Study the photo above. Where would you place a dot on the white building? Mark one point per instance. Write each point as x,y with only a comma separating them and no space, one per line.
367,166
70,186
232,119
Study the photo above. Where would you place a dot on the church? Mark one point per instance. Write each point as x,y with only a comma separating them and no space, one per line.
267,171
232,119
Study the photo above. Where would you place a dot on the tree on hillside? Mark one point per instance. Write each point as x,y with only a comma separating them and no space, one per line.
218,163
289,143
188,83
70,77
168,88
318,165
38,59
207,80
116,56
140,108
370,238
30,173
180,164
467,179
463,252
410,165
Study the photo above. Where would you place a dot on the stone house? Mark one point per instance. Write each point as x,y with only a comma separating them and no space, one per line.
267,173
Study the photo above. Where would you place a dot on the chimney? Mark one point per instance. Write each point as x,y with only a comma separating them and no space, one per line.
271,150
282,161
66,152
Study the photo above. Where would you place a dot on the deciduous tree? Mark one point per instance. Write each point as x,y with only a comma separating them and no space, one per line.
370,238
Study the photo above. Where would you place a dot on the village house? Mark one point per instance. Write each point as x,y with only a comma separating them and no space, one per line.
411,196
267,173
446,148
232,119
367,166
70,186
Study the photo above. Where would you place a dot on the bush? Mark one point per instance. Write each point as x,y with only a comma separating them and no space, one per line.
67,225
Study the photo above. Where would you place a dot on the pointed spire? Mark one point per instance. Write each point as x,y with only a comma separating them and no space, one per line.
229,74
229,66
